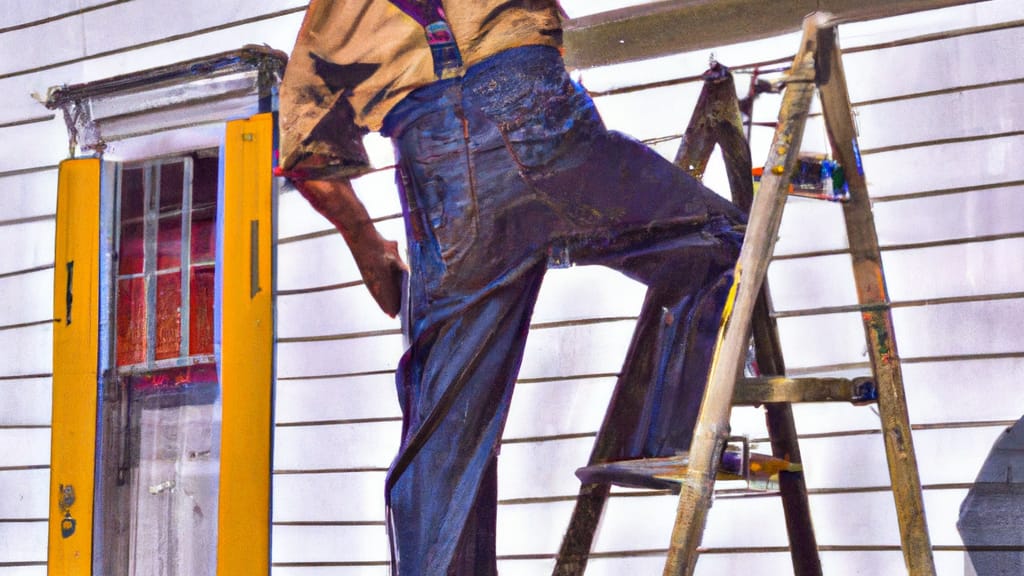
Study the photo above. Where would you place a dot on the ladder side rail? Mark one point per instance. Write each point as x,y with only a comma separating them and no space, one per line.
778,415
712,430
877,315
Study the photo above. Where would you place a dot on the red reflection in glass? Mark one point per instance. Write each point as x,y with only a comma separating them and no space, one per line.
168,316
204,236
168,243
171,184
131,321
132,249
174,378
204,181
132,196
200,338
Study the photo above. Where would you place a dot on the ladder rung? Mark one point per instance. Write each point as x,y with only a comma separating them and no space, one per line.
757,391
759,470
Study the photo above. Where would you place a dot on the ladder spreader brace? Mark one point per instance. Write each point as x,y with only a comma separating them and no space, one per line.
717,119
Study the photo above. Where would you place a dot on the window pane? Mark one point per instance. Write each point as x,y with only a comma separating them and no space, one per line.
204,235
132,250
168,315
131,321
168,243
171,185
201,311
132,195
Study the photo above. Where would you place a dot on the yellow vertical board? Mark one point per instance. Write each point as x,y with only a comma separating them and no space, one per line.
247,332
75,361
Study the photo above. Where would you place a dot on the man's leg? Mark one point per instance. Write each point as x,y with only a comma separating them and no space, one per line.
456,383
661,227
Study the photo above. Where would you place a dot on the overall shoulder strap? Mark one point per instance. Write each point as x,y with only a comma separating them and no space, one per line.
430,15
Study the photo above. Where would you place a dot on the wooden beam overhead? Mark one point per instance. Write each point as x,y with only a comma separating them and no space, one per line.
671,26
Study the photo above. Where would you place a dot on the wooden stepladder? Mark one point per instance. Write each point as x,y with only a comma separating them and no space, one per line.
816,67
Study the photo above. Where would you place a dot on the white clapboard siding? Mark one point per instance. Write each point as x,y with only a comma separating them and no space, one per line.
940,120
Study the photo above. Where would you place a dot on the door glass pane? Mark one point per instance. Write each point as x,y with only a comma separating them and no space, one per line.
164,495
131,321
175,428
168,315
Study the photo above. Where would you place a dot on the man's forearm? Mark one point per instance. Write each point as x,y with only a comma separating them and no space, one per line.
377,258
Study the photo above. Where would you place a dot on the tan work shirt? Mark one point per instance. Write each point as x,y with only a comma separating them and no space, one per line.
355,59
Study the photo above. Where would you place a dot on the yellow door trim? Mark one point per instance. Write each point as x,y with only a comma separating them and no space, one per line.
75,358
247,345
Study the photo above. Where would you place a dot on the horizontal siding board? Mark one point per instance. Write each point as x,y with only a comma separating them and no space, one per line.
28,195
23,13
24,447
811,226
650,113
40,144
315,544
973,269
329,312
822,340
584,292
324,260
534,528
574,350
27,350
535,470
339,357
937,65
965,391
314,570
151,20
22,498
26,298
905,122
811,283
329,497
897,28
960,328
951,216
352,398
22,542
336,447
558,407
26,402
978,163
16,91
376,190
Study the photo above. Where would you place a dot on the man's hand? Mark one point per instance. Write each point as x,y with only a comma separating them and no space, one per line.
377,258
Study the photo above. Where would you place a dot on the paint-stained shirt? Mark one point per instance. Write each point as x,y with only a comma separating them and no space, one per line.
355,59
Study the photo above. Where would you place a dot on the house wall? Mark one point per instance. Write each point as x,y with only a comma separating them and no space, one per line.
940,110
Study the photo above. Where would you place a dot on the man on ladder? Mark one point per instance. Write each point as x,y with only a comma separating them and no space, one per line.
504,166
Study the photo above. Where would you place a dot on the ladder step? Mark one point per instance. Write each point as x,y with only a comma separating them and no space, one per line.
761,473
757,391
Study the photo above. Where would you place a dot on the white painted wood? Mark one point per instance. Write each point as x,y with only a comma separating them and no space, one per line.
22,498
27,351
23,13
329,544
22,298
368,445
28,195
328,497
924,169
951,216
352,398
353,356
24,447
26,402
22,541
